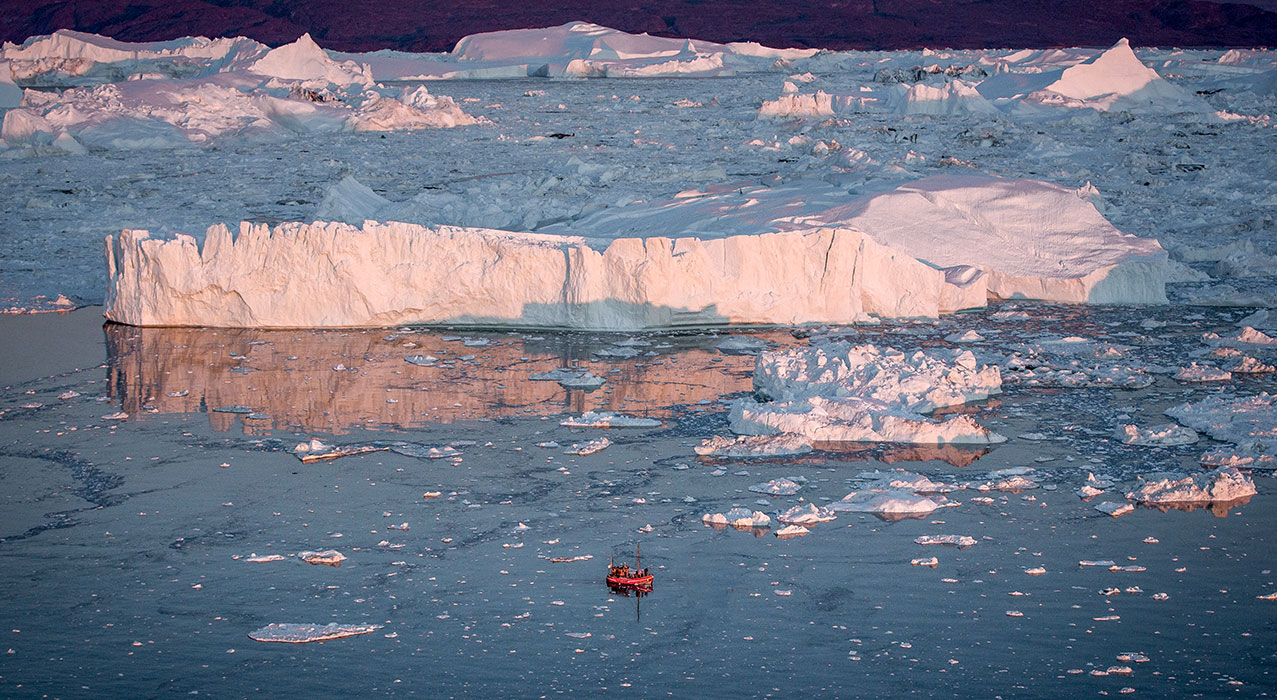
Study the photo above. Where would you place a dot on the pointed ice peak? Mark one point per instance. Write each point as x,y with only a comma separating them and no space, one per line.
1116,70
305,60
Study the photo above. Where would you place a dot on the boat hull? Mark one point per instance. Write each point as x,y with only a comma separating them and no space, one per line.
626,581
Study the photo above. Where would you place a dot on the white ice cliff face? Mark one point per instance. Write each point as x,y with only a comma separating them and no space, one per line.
338,275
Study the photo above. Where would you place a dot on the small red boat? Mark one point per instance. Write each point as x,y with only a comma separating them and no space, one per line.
624,577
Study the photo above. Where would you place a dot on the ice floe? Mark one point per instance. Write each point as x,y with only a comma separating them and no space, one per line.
1225,484
791,531
778,487
1249,423
1113,79
1160,435
738,517
953,540
887,503
301,633
315,96
1114,509
753,446
609,419
806,514
328,557
589,447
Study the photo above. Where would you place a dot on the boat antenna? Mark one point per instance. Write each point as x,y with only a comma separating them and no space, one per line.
638,555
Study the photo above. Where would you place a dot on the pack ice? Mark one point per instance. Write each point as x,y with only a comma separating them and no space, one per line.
575,49
251,93
1025,85
806,253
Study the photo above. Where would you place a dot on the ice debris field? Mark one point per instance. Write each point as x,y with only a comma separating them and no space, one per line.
947,368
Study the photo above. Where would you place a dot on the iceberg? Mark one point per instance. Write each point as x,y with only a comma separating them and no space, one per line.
1226,484
395,274
1114,79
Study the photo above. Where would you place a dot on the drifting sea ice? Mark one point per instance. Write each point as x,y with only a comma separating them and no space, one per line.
609,419
301,633
1159,435
589,447
738,517
328,557
791,531
1202,373
887,503
836,392
1226,484
1250,423
952,540
806,514
1114,509
753,446
778,487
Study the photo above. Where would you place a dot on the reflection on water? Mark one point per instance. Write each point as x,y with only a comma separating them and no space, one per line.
333,381
1219,509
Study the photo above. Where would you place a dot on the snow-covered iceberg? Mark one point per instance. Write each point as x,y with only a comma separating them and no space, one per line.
1114,79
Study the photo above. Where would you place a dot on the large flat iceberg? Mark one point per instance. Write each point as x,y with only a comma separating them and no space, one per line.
771,256
338,275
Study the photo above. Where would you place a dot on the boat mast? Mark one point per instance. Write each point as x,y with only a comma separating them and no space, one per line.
638,556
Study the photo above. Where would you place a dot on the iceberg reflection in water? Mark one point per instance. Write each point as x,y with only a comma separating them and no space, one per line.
335,381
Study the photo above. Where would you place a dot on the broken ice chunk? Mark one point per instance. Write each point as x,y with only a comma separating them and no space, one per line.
887,503
1160,435
953,540
791,531
777,487
328,557
737,517
300,633
608,419
1227,484
753,446
1114,509
968,337
589,447
807,514
1195,372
